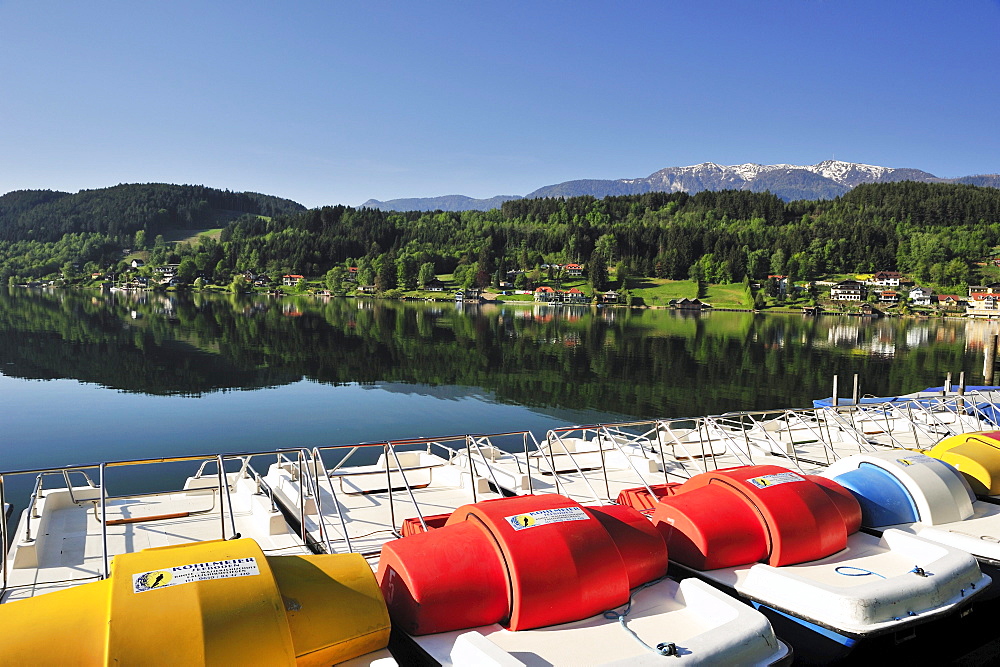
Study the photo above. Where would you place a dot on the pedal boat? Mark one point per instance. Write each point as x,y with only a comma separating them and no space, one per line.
543,580
75,555
924,496
69,531
789,544
352,506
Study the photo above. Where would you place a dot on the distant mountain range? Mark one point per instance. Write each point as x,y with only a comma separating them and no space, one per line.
826,180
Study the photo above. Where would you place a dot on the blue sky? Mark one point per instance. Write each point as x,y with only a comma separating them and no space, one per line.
338,102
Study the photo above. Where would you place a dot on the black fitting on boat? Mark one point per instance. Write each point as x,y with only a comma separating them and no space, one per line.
667,648
919,571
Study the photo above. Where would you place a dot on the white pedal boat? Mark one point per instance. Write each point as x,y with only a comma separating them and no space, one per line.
789,544
72,540
356,508
923,496
543,580
69,533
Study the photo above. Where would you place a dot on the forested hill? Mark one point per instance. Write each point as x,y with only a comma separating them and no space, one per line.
935,232
122,210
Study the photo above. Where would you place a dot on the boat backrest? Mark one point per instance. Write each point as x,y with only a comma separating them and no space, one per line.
742,515
977,456
899,486
568,446
524,561
406,460
686,443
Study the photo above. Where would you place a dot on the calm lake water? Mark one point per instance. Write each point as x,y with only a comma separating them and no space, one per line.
87,376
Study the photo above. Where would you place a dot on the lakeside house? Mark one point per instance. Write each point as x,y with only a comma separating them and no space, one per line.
886,279
291,279
992,288
573,295
434,285
888,296
921,296
689,304
574,269
847,290
983,304
469,294
949,301
544,294
780,281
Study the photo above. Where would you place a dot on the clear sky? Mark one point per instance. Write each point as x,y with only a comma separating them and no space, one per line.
328,102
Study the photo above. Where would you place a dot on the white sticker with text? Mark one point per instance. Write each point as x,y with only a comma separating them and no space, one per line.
542,517
775,479
187,574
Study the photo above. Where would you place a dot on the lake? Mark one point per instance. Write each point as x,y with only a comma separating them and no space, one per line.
89,376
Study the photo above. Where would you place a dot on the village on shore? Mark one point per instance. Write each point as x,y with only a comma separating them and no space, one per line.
876,294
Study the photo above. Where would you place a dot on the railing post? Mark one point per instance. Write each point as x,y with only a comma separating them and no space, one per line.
409,490
552,460
224,481
318,458
3,533
472,469
604,466
527,461
388,484
104,523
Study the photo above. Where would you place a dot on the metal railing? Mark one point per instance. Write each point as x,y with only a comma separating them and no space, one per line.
34,510
804,440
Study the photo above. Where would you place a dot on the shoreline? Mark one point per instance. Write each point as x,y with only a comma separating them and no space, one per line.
522,302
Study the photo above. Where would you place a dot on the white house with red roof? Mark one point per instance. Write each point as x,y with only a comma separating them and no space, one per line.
573,295
886,279
983,304
545,293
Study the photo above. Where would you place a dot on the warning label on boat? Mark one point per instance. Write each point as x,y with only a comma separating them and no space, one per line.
543,517
187,574
775,479
914,459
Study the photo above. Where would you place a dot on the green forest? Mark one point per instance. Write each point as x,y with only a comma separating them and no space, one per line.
932,232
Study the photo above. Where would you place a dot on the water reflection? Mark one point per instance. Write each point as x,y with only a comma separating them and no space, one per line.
640,363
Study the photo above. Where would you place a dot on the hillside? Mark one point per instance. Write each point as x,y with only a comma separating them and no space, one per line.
120,211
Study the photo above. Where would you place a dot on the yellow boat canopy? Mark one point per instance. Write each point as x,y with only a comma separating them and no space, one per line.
977,456
217,602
